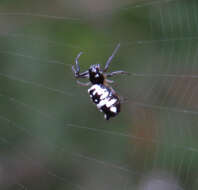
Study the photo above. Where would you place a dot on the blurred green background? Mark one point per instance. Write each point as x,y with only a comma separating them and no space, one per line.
53,137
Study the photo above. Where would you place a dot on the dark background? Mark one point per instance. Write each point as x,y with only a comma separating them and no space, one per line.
53,137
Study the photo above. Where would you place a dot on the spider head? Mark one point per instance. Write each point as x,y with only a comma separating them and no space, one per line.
95,74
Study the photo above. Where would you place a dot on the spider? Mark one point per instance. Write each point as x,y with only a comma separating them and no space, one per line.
103,95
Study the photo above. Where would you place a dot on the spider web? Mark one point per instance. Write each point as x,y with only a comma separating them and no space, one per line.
48,142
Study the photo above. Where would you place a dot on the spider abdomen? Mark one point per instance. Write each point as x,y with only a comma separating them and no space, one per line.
105,99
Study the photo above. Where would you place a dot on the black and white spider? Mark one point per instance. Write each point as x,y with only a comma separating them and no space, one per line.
100,92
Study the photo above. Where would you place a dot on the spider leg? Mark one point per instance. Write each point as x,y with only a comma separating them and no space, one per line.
83,84
81,75
77,63
111,57
109,81
85,74
76,69
117,73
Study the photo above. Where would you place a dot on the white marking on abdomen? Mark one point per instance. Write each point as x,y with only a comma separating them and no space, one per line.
113,109
102,103
111,102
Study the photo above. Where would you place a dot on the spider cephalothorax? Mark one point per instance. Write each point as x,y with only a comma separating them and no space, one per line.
95,74
105,98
